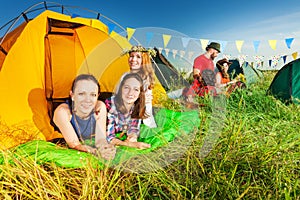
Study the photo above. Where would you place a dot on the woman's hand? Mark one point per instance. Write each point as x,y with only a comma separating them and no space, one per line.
132,138
190,99
139,145
107,151
85,148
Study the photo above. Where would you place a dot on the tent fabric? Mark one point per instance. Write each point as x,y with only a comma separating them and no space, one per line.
168,75
39,60
235,69
171,125
285,85
252,75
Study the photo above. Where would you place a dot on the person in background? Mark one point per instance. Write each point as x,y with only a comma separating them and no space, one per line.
207,86
125,110
78,121
222,76
139,61
201,63
223,80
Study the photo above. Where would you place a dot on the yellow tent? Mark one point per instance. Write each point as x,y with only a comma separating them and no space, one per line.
38,62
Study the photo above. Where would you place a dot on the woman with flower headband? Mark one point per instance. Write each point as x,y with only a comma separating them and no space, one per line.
140,62
125,110
78,121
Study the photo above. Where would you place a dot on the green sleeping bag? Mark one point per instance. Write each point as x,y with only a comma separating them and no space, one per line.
170,125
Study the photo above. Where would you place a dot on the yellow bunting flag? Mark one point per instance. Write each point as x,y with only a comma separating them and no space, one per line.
166,39
239,44
204,43
130,32
295,55
273,44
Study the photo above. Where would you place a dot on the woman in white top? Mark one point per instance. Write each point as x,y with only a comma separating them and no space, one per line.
140,62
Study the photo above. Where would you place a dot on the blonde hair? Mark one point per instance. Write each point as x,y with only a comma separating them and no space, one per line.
147,71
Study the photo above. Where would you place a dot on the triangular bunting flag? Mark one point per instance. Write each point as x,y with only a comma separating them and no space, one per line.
130,32
256,44
191,53
166,39
204,43
273,44
284,59
185,41
182,53
239,44
74,15
174,51
295,55
242,58
149,36
288,42
227,56
223,45
167,52
160,49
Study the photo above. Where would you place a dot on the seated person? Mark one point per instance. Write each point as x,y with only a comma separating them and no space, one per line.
223,82
126,109
78,121
203,85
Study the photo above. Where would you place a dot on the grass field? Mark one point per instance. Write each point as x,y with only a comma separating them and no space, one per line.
253,153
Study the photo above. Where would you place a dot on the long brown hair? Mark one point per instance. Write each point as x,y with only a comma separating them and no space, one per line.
221,69
139,105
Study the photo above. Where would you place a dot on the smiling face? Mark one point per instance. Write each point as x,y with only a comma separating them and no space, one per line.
131,91
135,61
225,66
84,97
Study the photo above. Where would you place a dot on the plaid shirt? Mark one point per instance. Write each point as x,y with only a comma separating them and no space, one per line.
116,121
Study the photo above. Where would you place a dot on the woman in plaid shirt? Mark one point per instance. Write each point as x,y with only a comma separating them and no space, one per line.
125,110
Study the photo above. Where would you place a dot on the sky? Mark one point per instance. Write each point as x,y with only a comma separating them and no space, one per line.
225,21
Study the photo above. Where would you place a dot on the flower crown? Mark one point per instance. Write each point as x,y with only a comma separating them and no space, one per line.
139,48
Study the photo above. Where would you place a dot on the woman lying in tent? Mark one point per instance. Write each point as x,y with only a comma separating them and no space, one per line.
126,109
223,82
79,122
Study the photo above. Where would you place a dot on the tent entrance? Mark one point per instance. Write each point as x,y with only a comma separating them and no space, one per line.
63,56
